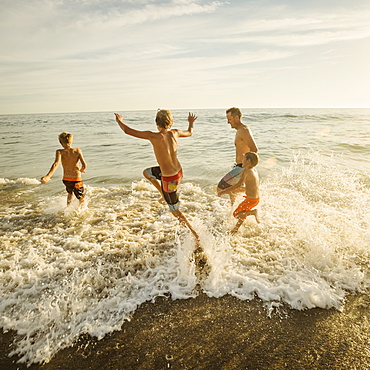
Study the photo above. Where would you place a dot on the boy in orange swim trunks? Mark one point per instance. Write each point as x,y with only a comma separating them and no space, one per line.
250,180
71,174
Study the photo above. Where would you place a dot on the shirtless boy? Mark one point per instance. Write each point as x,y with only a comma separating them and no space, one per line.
244,142
250,180
71,174
166,177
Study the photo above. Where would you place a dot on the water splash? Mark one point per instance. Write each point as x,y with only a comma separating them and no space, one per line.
68,272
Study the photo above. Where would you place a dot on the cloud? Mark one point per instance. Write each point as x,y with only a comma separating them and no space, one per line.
78,49
288,30
56,14
50,29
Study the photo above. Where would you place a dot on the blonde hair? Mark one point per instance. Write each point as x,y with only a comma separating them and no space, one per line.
253,157
65,138
164,118
234,112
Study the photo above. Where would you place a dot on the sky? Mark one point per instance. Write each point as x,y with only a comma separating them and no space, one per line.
125,55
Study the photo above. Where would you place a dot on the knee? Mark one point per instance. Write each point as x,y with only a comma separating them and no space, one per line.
174,209
241,215
146,175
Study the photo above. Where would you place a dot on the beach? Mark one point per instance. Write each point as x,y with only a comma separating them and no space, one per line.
113,284
222,333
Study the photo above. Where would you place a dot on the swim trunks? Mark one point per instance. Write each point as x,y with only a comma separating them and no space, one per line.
246,205
74,186
169,186
232,177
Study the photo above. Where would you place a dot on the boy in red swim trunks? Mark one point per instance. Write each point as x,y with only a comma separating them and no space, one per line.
71,174
167,176
250,180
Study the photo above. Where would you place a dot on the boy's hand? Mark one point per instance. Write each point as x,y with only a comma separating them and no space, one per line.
45,179
118,117
192,117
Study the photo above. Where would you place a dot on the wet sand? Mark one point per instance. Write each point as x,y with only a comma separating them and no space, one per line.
222,333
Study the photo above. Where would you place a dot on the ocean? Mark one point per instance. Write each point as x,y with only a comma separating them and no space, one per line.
66,272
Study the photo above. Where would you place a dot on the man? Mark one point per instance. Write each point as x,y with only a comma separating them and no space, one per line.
166,177
244,143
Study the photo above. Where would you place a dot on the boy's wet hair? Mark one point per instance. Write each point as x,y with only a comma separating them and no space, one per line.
65,138
253,157
234,112
164,118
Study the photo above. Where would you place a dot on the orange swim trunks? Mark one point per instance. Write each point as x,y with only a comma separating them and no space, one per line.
246,205
74,186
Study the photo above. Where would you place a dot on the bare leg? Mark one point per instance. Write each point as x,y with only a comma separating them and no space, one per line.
238,224
253,212
156,183
241,216
200,257
180,216
69,199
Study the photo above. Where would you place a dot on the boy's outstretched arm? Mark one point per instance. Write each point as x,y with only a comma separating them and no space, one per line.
191,118
53,167
132,132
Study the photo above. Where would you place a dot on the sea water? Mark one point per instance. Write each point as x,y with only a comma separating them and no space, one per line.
71,271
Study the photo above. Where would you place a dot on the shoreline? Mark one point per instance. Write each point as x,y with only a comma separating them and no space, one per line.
221,333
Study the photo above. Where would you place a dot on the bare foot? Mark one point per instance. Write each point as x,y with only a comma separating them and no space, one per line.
200,259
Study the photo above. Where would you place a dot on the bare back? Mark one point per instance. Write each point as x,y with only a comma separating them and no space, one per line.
165,149
70,158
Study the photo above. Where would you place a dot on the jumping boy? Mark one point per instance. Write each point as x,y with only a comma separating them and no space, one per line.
71,174
166,177
250,180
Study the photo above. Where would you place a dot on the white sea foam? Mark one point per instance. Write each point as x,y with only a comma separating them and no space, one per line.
22,180
70,271
65,273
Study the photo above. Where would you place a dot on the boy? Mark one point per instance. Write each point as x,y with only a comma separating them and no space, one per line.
71,174
250,180
166,177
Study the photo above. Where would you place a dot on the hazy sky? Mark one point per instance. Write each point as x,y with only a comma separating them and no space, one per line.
116,55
